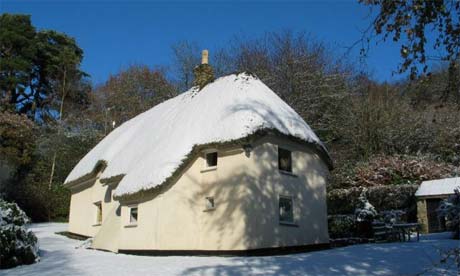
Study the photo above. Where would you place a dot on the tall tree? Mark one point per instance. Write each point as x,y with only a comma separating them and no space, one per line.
60,59
17,59
36,67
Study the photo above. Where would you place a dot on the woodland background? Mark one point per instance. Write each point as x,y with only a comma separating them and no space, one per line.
385,136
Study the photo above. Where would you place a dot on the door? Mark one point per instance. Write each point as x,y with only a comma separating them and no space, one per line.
434,224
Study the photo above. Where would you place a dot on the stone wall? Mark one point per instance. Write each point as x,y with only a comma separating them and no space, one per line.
203,75
422,216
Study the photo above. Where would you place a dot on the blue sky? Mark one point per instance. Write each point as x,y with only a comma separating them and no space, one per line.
117,34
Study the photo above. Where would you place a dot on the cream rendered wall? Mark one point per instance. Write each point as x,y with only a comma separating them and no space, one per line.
83,212
176,220
246,191
306,186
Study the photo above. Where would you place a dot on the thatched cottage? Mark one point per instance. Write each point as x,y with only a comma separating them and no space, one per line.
227,167
429,195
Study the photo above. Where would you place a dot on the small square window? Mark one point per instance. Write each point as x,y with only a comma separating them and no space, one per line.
133,215
211,159
286,213
98,212
284,160
210,204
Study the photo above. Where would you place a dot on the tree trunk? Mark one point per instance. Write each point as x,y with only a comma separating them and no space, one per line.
61,108
53,165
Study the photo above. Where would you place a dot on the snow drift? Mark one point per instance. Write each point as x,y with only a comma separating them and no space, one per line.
150,147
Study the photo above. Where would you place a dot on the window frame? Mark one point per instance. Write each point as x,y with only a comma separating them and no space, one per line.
289,169
98,215
130,223
286,222
206,166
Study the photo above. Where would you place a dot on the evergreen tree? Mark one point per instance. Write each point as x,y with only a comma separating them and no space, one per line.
36,67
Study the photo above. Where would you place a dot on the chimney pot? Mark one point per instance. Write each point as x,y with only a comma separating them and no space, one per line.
204,57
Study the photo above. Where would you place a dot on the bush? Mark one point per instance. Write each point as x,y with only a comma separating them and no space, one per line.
364,216
17,244
450,210
364,210
341,226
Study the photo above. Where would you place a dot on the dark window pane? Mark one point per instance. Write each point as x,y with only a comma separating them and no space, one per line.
133,215
284,160
285,210
209,203
211,159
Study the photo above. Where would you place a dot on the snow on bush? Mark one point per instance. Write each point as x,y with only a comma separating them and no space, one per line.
364,211
392,216
17,244
390,197
450,210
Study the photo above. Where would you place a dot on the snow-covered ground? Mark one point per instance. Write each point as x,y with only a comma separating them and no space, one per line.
59,256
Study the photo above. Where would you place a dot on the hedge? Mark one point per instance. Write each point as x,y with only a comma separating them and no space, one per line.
394,197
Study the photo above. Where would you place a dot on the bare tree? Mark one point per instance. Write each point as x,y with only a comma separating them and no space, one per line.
186,56
130,92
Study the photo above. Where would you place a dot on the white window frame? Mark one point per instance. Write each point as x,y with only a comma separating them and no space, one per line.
205,160
293,222
130,223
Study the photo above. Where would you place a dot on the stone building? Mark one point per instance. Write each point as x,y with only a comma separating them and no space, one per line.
429,196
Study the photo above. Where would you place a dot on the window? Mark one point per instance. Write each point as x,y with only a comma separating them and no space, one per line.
210,205
211,159
108,194
98,212
284,160
133,215
286,213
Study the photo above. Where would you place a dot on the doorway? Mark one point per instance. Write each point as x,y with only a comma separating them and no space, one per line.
435,223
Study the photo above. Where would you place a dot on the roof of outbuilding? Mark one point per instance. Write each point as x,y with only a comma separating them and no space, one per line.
149,148
443,186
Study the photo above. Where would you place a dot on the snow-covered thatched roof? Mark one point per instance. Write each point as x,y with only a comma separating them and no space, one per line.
444,186
149,148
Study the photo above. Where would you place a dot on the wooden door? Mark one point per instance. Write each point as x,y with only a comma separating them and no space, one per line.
433,221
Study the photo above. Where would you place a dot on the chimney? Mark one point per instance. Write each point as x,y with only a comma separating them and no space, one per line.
203,72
